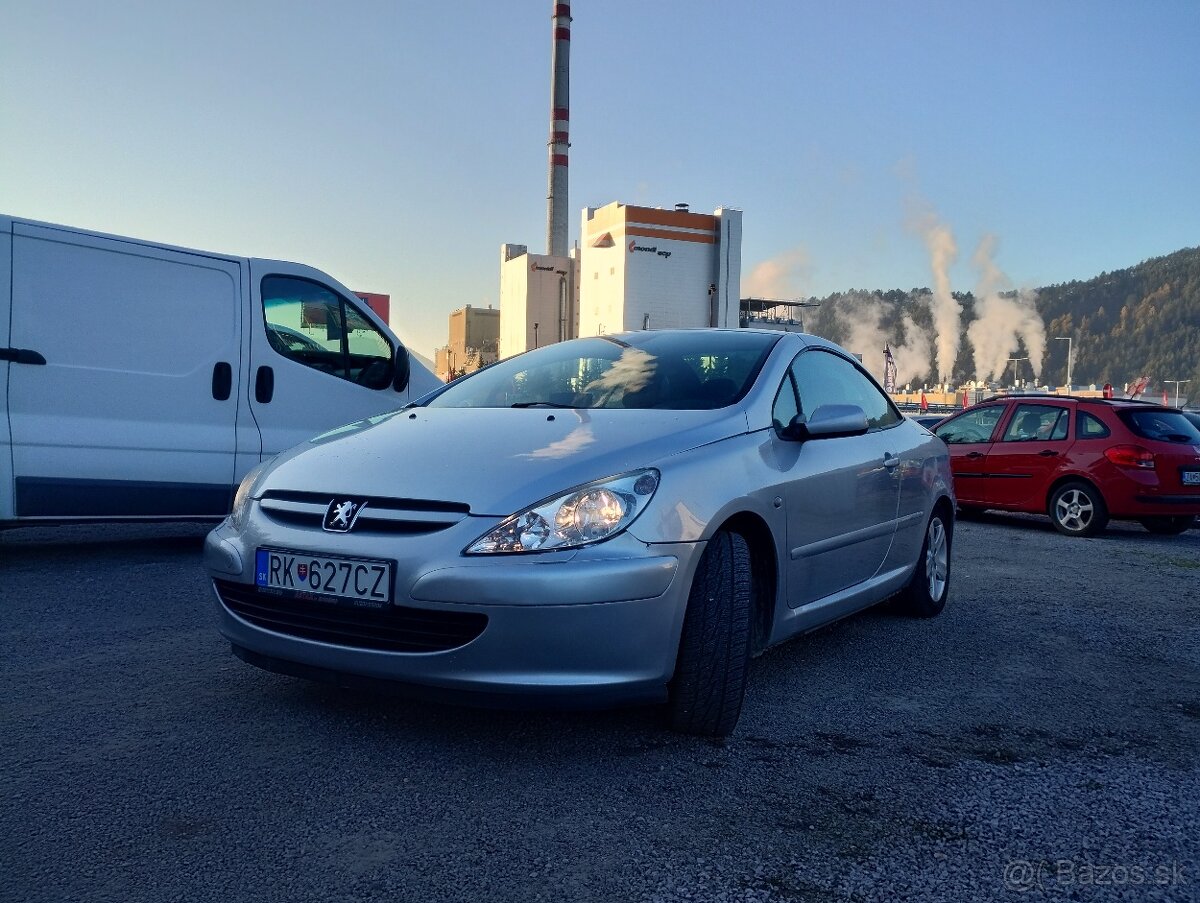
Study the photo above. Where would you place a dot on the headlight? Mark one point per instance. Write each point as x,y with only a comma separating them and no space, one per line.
577,518
241,498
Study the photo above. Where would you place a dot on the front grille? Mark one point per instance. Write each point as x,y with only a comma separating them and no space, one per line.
380,515
395,629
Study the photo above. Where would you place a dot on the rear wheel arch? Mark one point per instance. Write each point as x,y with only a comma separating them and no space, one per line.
1070,478
946,508
1077,507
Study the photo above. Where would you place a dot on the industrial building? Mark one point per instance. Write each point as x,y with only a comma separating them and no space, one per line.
474,342
538,299
649,268
633,268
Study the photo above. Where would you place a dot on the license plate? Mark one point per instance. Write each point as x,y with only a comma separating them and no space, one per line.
360,581
1190,477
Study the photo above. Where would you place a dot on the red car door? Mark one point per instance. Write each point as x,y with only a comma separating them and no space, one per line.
1027,455
969,436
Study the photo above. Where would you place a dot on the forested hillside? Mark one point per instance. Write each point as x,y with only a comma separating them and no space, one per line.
1144,320
1141,320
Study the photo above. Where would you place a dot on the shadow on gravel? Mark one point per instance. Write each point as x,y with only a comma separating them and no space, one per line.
1117,530
107,540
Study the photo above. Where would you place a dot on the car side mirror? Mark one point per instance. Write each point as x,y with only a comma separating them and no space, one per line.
403,368
829,421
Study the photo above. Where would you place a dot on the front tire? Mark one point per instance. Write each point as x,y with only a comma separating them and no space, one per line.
714,651
1078,509
1168,526
927,591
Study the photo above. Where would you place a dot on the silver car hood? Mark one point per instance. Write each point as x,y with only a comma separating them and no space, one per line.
496,460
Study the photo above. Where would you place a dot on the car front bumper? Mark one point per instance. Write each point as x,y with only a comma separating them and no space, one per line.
595,626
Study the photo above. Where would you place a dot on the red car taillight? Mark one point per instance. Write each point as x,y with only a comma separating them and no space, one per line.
1130,456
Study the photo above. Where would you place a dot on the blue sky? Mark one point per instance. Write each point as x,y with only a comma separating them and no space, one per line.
396,145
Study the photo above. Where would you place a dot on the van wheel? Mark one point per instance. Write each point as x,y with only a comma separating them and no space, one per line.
1168,526
926,593
1078,509
714,652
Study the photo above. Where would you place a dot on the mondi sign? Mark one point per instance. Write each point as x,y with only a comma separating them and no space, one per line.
634,246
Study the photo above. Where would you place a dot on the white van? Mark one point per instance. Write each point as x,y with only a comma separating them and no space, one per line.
141,381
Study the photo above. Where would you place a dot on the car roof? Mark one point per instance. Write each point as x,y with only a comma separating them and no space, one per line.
1124,403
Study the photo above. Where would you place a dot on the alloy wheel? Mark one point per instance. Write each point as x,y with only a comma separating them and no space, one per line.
937,558
1074,510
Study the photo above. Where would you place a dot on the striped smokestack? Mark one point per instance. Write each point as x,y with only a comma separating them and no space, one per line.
560,64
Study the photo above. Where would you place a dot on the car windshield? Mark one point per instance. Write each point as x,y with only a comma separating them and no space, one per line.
687,370
1164,426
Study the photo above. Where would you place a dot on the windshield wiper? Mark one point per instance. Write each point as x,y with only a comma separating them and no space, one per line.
540,404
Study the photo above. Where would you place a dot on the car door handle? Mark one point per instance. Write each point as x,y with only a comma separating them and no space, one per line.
264,385
21,356
973,455
222,381
890,461
1048,453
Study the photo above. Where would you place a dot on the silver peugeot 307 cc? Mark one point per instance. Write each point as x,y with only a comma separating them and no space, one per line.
626,518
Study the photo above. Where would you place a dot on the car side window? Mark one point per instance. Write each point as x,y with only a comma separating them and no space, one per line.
970,426
823,377
1037,423
315,326
1089,426
786,406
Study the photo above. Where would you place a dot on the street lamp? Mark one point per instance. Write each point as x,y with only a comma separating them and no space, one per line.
1066,339
1177,383
535,340
1013,361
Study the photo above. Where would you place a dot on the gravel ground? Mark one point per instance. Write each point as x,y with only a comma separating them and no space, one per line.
1040,740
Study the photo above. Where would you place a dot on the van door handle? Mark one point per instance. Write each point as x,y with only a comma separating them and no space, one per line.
222,381
21,356
264,385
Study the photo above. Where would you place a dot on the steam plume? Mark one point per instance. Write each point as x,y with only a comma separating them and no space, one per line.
1002,321
947,312
861,317
782,276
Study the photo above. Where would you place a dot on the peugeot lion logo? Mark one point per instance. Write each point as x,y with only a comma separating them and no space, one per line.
340,516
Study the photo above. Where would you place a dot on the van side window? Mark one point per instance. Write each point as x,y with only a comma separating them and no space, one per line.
315,326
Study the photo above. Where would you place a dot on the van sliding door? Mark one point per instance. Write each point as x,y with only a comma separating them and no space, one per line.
133,414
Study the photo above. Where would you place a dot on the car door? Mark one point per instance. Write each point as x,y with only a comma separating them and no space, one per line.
317,358
969,436
841,494
133,412
1028,453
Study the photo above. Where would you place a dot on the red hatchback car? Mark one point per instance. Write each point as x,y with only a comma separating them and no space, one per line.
1080,460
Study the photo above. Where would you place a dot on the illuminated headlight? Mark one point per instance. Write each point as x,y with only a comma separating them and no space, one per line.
241,498
577,518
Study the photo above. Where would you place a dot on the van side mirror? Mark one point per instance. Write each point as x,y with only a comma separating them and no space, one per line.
403,366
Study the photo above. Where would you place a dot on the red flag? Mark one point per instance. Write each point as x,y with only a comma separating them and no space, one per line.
924,401
966,402
1165,402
